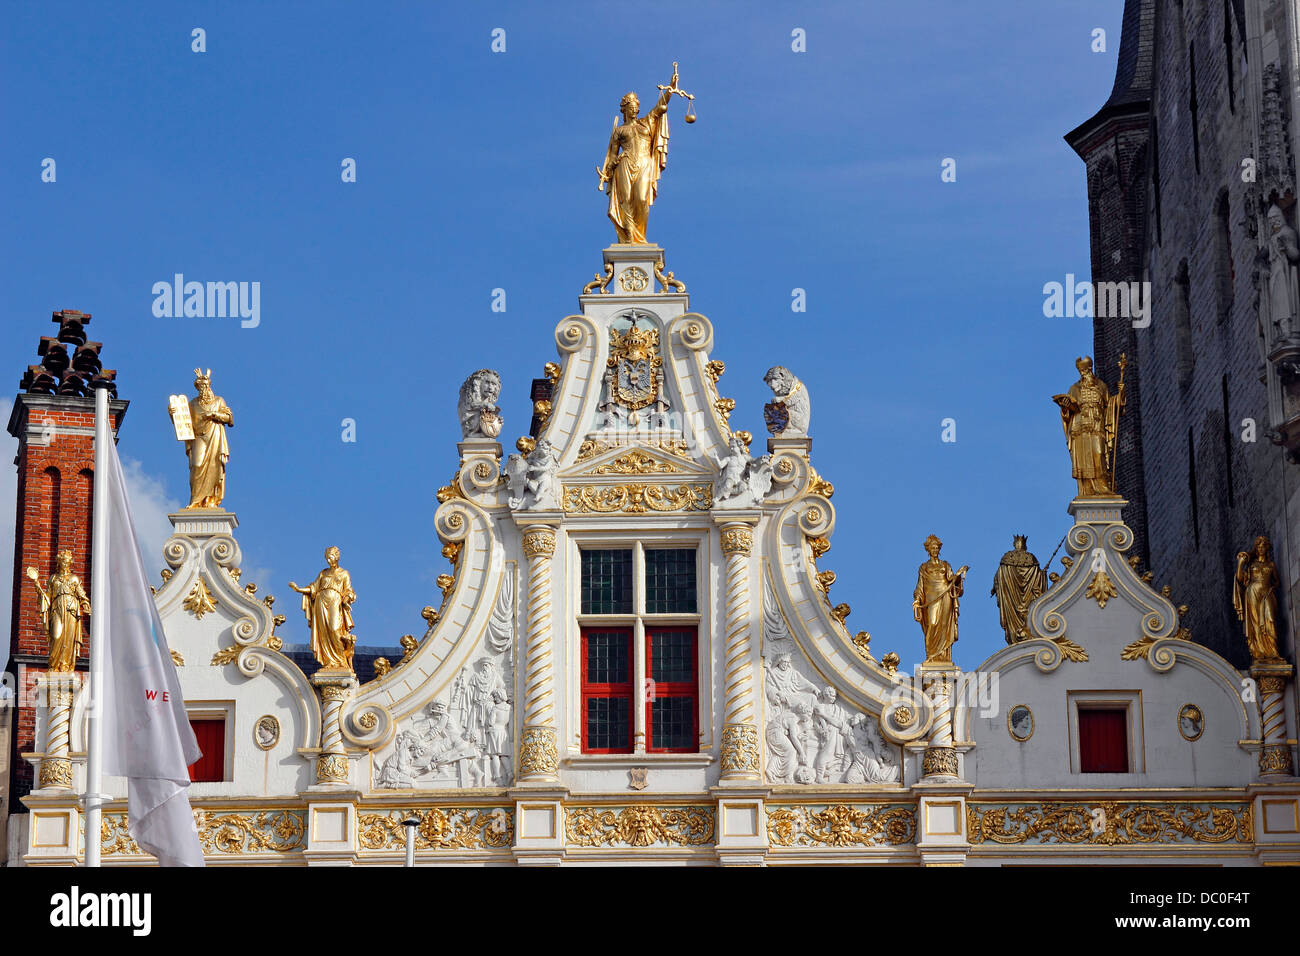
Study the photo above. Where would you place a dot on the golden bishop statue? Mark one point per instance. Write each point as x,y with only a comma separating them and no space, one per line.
1018,581
202,426
63,601
1090,416
1254,598
327,602
637,154
934,603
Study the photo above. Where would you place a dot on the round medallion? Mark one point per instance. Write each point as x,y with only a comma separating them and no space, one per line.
633,280
1191,722
266,732
1020,723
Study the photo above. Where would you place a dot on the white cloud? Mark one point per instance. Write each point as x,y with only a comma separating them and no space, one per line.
150,506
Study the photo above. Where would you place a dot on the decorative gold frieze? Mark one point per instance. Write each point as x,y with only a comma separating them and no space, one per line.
538,753
939,762
639,826
1272,759
56,772
737,541
279,830
200,600
593,448
1101,589
841,825
440,828
1110,823
331,768
637,499
539,543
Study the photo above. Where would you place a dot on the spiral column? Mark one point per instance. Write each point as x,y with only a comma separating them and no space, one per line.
1274,752
740,756
940,758
58,689
539,758
335,688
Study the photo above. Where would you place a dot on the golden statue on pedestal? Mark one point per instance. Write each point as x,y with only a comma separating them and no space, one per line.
202,426
934,603
327,602
1090,416
1254,598
637,154
63,601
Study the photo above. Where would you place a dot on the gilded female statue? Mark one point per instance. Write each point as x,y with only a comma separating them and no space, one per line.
1090,416
327,602
207,450
63,601
934,603
1254,597
637,154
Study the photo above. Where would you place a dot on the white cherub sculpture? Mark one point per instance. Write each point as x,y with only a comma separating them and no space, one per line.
531,480
744,481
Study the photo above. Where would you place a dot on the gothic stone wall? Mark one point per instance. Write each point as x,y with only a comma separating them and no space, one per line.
1208,492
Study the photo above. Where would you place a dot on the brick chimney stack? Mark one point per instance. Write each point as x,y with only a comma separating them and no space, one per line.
54,421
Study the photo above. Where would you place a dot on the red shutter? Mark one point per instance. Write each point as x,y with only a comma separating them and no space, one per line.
1103,741
211,735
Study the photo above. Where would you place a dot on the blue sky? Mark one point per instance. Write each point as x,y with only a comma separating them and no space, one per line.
475,170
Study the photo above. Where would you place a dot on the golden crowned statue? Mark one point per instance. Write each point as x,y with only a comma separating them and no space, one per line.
1017,582
1254,597
637,154
63,601
202,426
327,603
1090,416
935,603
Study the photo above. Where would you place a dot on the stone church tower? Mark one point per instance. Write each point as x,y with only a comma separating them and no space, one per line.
1190,167
54,422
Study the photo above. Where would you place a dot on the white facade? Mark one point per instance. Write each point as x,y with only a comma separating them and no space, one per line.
806,747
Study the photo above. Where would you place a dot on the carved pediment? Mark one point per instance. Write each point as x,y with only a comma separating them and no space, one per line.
599,458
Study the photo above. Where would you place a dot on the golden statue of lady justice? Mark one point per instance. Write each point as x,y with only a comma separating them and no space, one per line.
935,602
637,154
327,603
1254,597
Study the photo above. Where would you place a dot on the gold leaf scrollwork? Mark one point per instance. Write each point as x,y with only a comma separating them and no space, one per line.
740,749
841,825
638,499
1110,823
226,655
440,828
635,463
537,752
1101,589
1070,650
639,826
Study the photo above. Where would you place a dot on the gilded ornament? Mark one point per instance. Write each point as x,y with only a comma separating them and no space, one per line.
1141,648
1254,598
166,574
841,825
635,463
667,281
1110,823
1272,685
634,375
817,485
1090,417
904,716
239,834
637,499
841,613
226,655
451,490
935,602
537,752
1275,759
331,768
368,720
63,602
542,410
635,158
1101,589
200,600
439,828
525,445
862,643
724,407
890,662
825,579
327,605
409,646
737,541
56,772
250,589
203,429
1070,650
382,667
1191,722
740,749
593,448
269,600
445,583
266,732
939,762
714,369
601,281
639,826
819,544
483,471
633,279
176,658
539,543
451,551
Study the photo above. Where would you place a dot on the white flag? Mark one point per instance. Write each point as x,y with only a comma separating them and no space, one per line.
147,735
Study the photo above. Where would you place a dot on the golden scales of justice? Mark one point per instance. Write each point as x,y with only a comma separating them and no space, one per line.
689,97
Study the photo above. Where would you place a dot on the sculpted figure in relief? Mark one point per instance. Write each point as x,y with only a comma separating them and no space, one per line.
1283,281
743,481
531,481
788,413
480,416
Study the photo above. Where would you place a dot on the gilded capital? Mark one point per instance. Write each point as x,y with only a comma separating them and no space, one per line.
737,540
539,542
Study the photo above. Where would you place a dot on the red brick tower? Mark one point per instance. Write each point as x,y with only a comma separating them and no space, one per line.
54,422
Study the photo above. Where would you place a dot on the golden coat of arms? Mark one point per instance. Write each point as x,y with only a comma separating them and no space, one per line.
634,375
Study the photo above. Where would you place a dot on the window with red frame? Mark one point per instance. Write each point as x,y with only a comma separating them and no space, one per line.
211,735
1103,740
620,587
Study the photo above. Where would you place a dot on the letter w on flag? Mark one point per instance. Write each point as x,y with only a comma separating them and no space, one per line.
147,734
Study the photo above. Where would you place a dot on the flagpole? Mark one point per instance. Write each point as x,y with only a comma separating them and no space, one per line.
98,625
